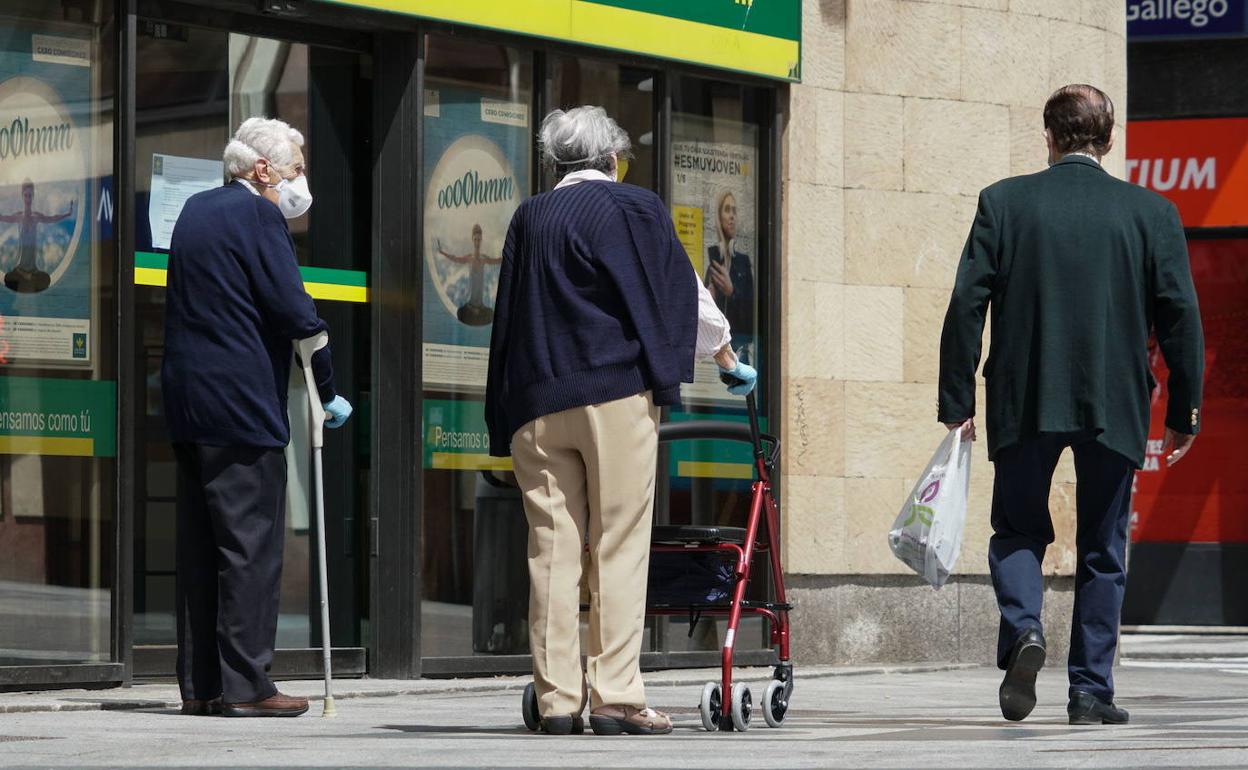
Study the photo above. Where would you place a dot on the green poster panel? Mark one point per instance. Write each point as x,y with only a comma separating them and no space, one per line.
44,416
456,438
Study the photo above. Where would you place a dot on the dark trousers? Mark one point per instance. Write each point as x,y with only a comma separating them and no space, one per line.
231,527
1022,529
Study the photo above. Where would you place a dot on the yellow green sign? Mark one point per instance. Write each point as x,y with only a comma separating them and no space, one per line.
456,437
759,37
152,269
47,416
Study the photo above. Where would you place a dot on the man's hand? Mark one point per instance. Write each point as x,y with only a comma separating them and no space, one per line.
968,428
337,412
1176,446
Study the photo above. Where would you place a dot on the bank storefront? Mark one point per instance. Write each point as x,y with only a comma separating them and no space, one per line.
419,117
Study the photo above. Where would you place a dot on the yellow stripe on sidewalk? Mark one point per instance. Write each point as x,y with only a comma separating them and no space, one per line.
453,461
47,445
699,470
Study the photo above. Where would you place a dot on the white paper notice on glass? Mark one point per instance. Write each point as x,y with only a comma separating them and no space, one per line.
174,179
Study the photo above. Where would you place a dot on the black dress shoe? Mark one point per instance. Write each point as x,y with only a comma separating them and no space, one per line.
1018,689
1087,709
569,725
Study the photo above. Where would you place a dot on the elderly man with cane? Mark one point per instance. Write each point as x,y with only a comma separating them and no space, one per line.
234,306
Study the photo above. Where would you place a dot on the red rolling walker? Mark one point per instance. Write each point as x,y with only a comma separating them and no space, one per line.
725,705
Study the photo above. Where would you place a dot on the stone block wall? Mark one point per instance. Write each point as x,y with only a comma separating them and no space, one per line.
907,108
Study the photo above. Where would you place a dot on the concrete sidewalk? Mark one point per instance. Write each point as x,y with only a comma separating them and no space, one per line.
1182,645
156,696
1191,713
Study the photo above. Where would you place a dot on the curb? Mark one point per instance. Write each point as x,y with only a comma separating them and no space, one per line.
1139,657
510,684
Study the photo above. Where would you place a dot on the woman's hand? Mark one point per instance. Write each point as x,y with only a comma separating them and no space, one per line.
720,279
740,379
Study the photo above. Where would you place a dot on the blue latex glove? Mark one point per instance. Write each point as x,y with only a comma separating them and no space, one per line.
337,412
746,376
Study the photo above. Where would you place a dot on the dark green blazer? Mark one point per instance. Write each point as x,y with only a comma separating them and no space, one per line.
1077,268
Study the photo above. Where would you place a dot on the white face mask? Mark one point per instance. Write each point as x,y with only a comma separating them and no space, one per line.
293,197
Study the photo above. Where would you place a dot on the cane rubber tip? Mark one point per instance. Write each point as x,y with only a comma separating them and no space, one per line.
330,710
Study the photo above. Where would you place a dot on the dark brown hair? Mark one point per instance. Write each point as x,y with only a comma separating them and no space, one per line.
1080,118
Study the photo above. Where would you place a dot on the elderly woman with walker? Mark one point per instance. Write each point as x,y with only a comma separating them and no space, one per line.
599,319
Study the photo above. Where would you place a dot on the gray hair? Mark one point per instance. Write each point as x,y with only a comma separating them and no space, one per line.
581,138
260,138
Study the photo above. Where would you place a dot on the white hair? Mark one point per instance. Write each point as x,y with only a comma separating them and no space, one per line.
260,138
582,137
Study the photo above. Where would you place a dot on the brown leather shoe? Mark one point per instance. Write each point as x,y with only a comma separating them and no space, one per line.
619,720
201,708
276,705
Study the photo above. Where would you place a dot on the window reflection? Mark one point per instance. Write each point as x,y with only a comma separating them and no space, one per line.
194,86
716,198
58,402
477,133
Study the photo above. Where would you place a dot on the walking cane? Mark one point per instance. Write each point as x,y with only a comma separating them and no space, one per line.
316,412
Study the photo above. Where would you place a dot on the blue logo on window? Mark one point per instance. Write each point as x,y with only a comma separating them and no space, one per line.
80,345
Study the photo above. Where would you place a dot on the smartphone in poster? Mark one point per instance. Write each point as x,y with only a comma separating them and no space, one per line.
45,198
477,151
714,207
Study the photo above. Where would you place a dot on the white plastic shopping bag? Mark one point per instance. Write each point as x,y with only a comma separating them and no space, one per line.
927,534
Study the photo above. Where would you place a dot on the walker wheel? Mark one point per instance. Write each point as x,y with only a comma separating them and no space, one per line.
775,704
528,707
742,707
711,707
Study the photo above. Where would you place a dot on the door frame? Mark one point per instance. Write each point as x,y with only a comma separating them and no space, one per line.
320,26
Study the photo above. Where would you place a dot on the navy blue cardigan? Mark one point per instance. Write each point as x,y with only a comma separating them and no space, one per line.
234,305
597,301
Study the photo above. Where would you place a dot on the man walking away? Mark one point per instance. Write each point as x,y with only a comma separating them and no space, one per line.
1077,268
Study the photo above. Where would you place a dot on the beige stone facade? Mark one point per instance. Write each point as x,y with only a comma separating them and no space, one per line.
906,110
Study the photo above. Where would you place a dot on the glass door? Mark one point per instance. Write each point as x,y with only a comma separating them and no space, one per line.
194,86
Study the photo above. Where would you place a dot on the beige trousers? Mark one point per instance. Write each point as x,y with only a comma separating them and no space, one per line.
587,475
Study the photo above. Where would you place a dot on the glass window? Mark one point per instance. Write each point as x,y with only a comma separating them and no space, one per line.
477,133
626,93
58,412
717,195
194,87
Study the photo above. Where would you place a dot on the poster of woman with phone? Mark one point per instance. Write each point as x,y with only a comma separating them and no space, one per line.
729,274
